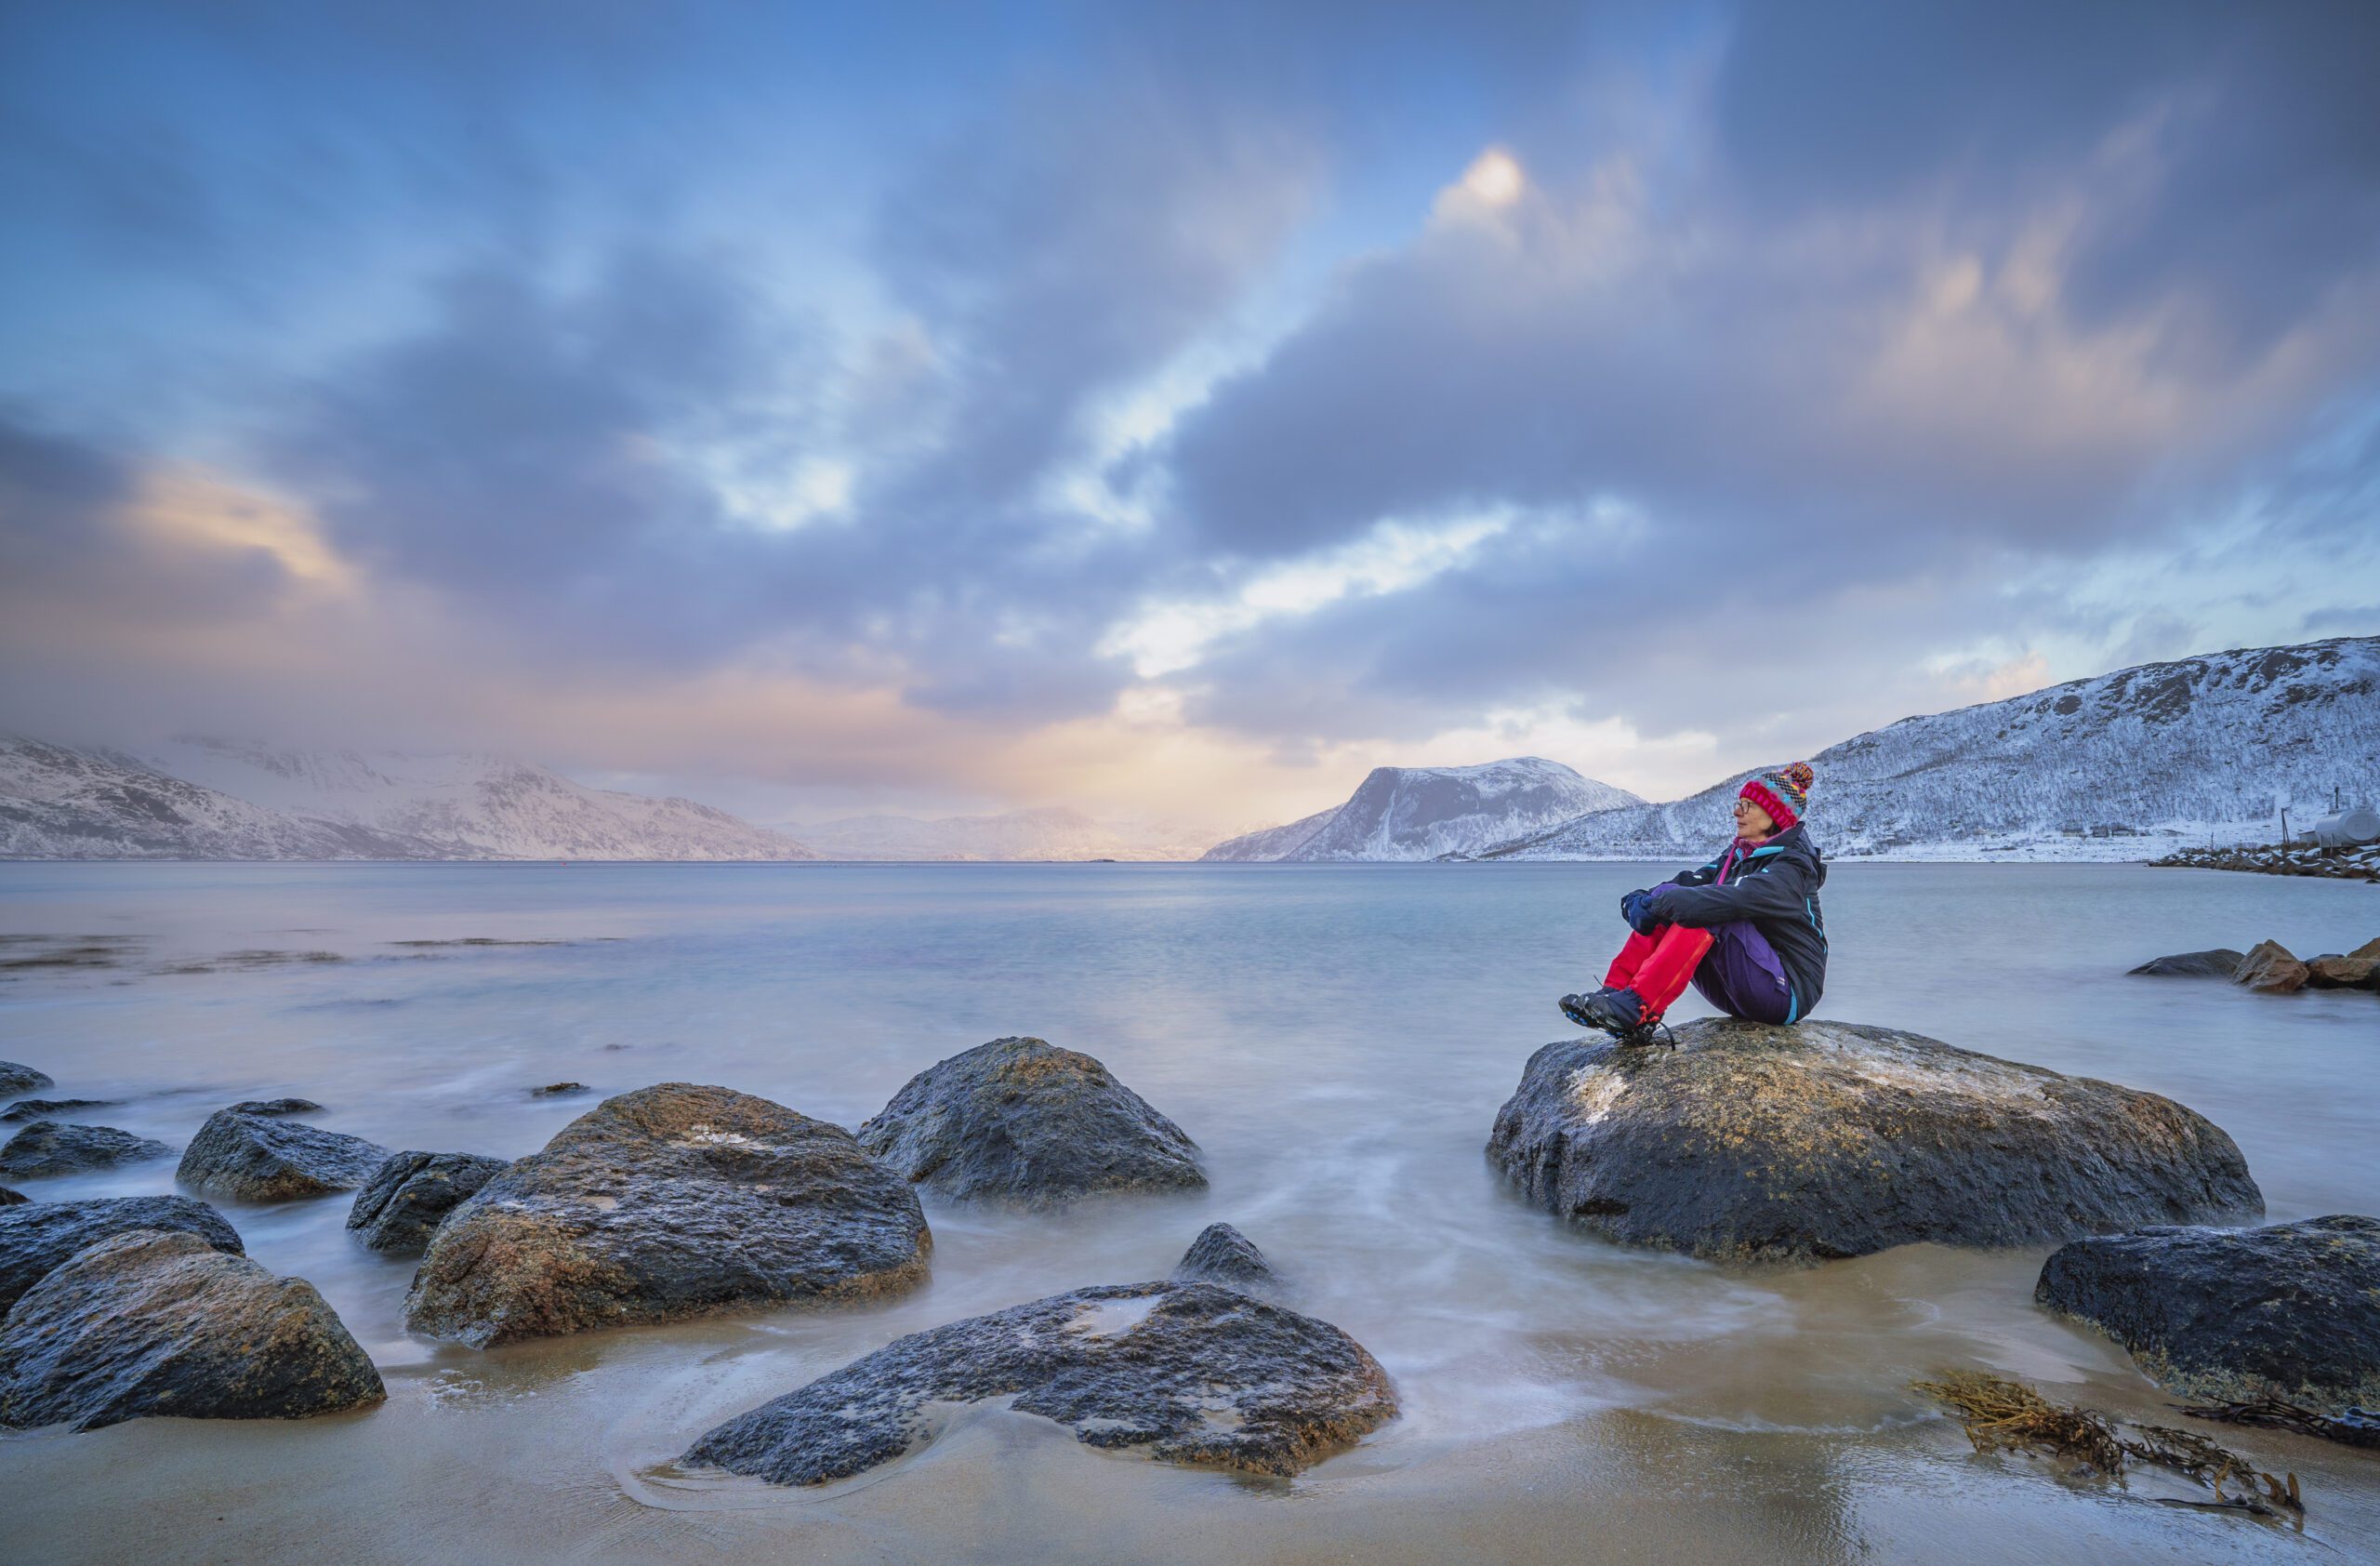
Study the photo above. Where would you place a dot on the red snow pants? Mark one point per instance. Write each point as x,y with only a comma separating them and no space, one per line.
1659,966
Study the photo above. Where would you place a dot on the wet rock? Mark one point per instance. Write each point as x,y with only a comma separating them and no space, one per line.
40,1235
260,1158
411,1194
2343,973
10,1197
1831,1139
2269,968
162,1323
50,1109
557,1090
270,1107
1020,1118
16,1079
1195,1373
1222,1254
668,1202
2290,1310
2215,962
58,1148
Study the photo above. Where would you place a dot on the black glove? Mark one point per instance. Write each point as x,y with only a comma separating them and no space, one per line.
1636,908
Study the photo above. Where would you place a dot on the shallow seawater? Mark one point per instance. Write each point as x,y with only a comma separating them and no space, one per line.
1338,1041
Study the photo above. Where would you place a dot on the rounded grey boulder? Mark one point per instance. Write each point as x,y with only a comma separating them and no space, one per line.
16,1079
253,1157
404,1201
162,1323
58,1147
1194,1372
276,1107
39,1235
1831,1139
1222,1254
2289,1310
1022,1119
665,1202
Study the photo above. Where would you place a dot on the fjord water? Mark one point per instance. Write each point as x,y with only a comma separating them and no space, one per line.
1337,1040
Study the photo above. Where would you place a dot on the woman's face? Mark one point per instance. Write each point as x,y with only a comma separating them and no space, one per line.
1751,821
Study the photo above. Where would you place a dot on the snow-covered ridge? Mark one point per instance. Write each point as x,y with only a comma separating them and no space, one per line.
199,798
2120,766
1428,813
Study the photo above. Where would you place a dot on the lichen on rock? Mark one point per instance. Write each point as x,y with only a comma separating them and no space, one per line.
669,1201
1831,1139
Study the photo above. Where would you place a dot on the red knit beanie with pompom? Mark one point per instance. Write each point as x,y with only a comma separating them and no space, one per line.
1783,792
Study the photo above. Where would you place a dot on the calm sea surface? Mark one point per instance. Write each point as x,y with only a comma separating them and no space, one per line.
1338,1041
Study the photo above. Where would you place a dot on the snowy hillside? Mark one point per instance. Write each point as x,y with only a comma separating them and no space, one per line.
2205,747
1056,833
60,803
212,799
1424,811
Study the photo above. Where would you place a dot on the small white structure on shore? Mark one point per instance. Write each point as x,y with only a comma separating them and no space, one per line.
2351,828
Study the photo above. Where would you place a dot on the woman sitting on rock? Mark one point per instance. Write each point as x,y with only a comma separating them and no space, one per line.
1745,929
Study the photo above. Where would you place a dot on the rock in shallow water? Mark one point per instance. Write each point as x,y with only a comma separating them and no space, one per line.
58,1147
260,1158
16,1079
411,1194
10,1197
50,1109
1222,1254
1830,1139
1195,1373
666,1202
2290,1310
1021,1118
156,1323
40,1235
2215,962
2343,973
2269,969
276,1107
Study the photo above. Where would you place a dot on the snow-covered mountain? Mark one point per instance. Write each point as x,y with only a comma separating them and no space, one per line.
1428,811
1054,833
196,798
2207,747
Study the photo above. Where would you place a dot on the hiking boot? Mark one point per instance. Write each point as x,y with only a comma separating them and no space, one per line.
1575,1008
1616,1012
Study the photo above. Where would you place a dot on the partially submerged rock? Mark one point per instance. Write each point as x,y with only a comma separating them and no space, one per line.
1021,1118
50,1109
1830,1139
1195,1373
668,1202
16,1079
260,1158
60,1147
557,1090
2343,973
2289,1311
1222,1254
2214,962
40,1235
276,1107
10,1197
2269,968
162,1323
411,1194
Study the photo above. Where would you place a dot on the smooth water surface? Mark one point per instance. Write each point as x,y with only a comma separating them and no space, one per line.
1337,1040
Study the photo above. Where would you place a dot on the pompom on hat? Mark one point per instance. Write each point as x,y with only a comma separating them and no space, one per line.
1784,791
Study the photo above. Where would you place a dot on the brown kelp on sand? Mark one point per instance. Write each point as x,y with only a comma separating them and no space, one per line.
2002,1414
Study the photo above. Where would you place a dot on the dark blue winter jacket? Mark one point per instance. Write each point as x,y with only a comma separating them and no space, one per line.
1776,887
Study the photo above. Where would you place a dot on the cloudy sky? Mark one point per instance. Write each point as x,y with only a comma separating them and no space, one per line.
1167,409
